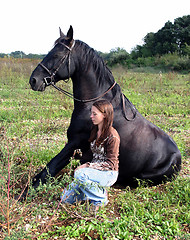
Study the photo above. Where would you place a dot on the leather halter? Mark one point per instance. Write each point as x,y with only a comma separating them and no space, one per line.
51,78
63,59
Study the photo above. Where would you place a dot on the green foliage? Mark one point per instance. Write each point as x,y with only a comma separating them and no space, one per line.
21,54
187,49
173,37
170,61
144,213
116,56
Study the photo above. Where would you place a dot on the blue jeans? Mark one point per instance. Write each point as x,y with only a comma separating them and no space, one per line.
89,184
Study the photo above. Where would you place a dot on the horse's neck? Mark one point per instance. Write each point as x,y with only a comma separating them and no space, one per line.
88,84
91,77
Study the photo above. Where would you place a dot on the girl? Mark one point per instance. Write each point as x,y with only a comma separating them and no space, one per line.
92,177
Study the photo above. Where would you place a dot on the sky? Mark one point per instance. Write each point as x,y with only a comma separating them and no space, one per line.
32,26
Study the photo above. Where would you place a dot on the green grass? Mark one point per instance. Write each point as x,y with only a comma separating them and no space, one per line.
33,130
144,212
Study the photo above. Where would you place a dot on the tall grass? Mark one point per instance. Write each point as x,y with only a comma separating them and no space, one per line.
33,126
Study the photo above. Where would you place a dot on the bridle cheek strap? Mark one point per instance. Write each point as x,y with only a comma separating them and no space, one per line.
51,77
63,59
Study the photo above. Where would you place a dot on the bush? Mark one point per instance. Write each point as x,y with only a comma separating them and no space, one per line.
174,62
167,61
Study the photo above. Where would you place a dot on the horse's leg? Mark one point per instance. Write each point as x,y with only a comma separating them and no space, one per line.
53,167
166,171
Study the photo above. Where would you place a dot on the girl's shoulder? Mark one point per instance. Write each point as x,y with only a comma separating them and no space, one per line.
113,134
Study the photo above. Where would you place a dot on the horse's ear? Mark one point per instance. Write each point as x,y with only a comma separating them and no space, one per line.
61,33
70,33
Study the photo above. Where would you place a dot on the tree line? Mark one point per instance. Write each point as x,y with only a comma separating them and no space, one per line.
169,47
20,54
172,38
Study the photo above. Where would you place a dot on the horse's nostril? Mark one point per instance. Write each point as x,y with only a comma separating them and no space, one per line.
33,81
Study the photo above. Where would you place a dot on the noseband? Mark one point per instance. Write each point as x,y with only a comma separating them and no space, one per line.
50,80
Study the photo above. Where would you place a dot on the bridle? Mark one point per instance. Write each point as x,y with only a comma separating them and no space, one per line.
50,80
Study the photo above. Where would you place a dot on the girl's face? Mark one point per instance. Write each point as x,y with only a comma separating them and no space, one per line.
96,116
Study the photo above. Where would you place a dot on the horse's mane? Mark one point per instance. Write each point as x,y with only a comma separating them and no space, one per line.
90,56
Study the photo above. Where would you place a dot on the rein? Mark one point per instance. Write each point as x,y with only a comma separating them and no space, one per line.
82,100
50,80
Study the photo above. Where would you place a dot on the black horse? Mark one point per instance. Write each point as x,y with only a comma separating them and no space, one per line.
146,152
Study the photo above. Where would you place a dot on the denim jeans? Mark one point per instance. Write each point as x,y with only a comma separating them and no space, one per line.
89,184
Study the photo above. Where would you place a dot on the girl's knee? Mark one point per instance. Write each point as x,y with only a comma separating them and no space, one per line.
79,173
81,177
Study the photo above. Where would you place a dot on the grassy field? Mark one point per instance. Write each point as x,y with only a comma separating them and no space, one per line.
33,129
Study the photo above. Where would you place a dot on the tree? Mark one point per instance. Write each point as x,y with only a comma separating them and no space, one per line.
173,37
149,45
137,52
18,54
165,40
2,55
117,55
182,32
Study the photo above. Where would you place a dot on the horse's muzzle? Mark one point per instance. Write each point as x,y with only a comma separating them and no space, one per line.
36,85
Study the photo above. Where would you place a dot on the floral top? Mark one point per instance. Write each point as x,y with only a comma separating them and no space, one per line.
105,156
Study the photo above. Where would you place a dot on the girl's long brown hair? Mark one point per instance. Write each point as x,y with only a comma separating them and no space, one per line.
106,108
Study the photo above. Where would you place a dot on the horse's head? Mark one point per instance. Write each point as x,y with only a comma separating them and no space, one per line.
57,65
